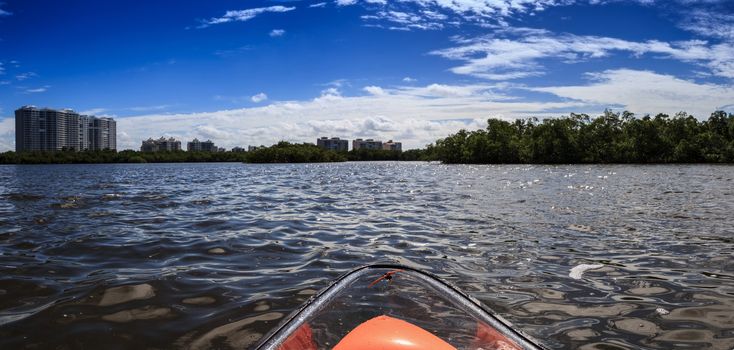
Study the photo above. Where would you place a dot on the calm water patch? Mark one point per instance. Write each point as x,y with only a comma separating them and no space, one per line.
214,255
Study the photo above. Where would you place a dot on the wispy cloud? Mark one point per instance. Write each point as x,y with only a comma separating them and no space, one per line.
93,111
232,52
345,2
25,76
338,83
708,18
4,13
37,90
516,53
149,108
259,97
710,22
318,4
407,20
238,100
244,15
437,14
277,32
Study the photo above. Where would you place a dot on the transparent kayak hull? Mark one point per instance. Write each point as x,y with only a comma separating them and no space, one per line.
394,307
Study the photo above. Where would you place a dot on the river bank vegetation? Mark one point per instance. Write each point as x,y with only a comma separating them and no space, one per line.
282,152
609,138
128,156
286,152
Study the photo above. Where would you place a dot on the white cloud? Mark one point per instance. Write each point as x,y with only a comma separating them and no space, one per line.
37,90
437,14
338,83
277,32
332,91
259,97
485,8
345,2
212,133
708,18
374,90
244,15
406,20
647,92
409,80
318,4
93,111
4,13
440,90
515,53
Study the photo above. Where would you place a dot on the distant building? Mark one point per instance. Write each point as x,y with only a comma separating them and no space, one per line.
102,133
254,148
238,150
334,143
161,144
366,144
45,129
201,146
392,146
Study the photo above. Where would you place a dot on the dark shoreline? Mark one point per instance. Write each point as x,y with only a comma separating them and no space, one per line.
280,153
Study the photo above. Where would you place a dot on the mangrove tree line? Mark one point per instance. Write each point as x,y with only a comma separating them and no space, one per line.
609,138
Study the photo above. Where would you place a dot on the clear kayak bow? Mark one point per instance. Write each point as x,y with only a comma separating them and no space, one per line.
391,307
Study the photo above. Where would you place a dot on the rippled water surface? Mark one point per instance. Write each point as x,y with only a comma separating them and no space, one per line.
213,255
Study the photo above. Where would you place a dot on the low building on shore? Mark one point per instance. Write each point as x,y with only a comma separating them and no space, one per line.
238,149
161,144
392,146
366,144
201,146
254,148
333,144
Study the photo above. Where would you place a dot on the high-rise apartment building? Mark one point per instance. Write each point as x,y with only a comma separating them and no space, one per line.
201,146
366,144
161,144
334,143
392,146
102,133
44,129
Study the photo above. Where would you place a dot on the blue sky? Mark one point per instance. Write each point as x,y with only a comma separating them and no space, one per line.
255,72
